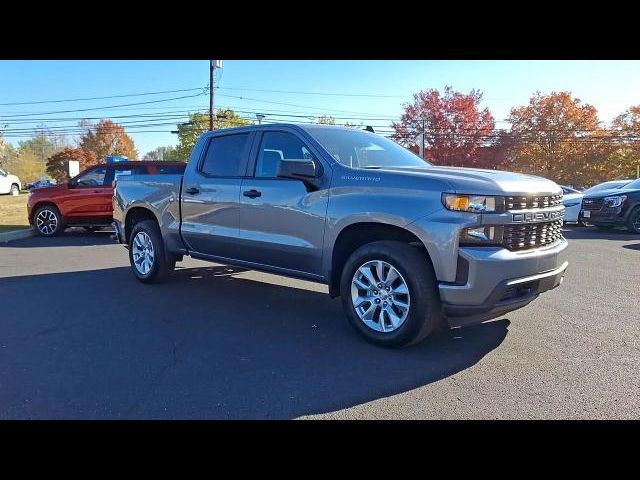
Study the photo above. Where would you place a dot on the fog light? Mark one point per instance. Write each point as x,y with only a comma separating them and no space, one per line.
486,235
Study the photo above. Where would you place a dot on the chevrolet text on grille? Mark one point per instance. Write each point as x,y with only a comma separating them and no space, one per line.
537,216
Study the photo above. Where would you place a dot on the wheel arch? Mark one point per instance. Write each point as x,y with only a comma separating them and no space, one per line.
43,203
357,234
135,215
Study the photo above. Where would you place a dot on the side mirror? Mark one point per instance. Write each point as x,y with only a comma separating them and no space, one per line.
72,183
305,169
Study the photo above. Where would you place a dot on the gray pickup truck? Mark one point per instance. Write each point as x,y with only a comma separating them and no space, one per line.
408,246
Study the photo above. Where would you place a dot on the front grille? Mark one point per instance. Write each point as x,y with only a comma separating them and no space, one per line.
531,235
526,202
592,204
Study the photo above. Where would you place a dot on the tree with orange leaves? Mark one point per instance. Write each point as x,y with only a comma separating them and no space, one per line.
107,138
453,124
560,138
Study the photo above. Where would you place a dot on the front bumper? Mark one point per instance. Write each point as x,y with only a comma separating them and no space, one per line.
500,280
609,216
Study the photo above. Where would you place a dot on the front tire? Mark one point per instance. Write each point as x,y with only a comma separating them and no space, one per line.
147,255
389,294
633,223
15,190
48,221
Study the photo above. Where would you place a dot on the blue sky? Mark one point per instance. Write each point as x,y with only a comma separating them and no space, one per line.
611,86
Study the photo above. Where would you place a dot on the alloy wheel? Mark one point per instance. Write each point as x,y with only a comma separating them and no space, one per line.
380,296
46,222
143,253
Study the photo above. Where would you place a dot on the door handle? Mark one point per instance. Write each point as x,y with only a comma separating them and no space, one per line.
192,191
253,193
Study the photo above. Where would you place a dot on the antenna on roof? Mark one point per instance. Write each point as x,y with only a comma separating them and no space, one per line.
369,128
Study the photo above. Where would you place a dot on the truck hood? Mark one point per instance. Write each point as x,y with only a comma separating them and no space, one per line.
480,181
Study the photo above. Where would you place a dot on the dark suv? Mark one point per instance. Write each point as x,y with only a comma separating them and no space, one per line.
619,207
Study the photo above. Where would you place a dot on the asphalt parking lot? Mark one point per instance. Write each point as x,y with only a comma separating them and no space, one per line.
81,338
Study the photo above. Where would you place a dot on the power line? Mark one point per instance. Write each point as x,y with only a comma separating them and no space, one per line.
102,98
298,92
100,108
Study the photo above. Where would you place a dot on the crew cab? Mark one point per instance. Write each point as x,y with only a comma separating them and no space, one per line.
409,247
85,200
617,207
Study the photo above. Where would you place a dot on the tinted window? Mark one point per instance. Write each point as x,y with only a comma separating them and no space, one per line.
92,178
226,156
169,169
278,146
122,170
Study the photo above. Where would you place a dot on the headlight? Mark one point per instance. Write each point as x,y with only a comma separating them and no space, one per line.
615,201
473,203
478,236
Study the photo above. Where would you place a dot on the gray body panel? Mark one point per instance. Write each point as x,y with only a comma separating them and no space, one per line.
293,231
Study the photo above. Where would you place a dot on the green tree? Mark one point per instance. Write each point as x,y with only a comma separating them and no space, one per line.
7,152
44,143
26,165
189,132
167,154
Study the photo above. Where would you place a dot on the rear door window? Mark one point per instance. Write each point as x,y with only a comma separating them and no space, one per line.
226,156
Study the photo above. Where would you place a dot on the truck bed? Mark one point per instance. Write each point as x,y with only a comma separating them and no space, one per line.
158,193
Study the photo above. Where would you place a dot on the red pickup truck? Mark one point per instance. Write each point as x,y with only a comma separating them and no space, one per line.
86,200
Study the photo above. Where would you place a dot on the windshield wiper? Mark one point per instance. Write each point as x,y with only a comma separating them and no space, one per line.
371,167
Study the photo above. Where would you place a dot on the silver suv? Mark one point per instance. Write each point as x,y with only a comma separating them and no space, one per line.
408,246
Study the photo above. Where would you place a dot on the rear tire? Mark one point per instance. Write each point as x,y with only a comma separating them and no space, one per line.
633,222
15,190
48,221
147,254
387,324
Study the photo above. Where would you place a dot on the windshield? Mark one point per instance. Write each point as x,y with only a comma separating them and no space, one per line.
360,149
633,185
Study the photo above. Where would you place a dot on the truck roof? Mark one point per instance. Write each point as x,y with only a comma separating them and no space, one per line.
138,162
303,126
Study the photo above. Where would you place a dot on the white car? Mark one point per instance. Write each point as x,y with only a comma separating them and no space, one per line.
572,201
9,183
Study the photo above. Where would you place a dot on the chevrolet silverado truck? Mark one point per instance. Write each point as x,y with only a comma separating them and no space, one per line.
410,247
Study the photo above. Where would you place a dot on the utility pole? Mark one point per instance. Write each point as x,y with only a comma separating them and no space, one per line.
212,67
213,64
